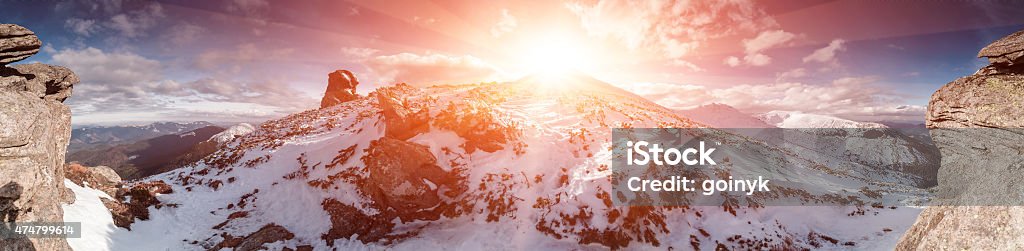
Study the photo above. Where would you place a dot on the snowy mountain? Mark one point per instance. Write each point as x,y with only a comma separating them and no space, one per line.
723,116
795,119
233,132
105,136
149,156
518,165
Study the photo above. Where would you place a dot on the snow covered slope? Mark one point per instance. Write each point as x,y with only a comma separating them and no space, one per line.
233,132
520,165
795,119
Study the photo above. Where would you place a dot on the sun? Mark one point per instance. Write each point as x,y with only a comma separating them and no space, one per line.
554,55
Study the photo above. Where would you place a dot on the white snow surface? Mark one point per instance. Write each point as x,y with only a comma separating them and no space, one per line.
233,132
796,119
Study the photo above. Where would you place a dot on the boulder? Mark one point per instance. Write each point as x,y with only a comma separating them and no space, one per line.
976,122
34,134
17,43
403,120
1005,51
341,88
405,176
269,233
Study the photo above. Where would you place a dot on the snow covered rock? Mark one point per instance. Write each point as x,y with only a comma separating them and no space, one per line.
233,132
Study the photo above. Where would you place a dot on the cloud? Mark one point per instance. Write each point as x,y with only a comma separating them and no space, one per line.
358,53
112,81
135,23
753,48
732,61
431,68
184,33
84,27
233,60
853,97
506,24
828,53
248,8
791,74
119,82
675,28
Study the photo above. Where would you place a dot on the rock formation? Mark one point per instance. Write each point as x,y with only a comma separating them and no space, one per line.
34,131
976,122
408,182
341,88
403,121
17,43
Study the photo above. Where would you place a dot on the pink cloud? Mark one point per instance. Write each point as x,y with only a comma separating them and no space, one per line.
674,28
431,68
828,53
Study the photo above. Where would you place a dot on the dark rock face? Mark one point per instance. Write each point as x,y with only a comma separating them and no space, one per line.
17,43
402,119
976,122
134,202
341,88
269,233
34,135
402,180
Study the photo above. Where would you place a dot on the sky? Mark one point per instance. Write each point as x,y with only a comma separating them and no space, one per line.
251,60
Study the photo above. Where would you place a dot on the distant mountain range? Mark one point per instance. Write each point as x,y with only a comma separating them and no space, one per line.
723,116
145,157
93,136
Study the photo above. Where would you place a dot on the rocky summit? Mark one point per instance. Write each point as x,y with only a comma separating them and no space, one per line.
341,88
976,123
17,43
33,138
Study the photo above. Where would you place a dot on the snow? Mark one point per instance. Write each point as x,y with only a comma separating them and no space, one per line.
795,119
97,224
232,132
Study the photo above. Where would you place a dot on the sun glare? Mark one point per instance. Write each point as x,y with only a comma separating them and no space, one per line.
554,55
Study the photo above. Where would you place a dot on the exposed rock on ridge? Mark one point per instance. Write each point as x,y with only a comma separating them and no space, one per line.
34,131
17,43
341,88
976,123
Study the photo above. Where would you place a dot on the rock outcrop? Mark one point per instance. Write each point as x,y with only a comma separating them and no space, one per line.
407,183
34,131
976,122
17,43
341,88
402,119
